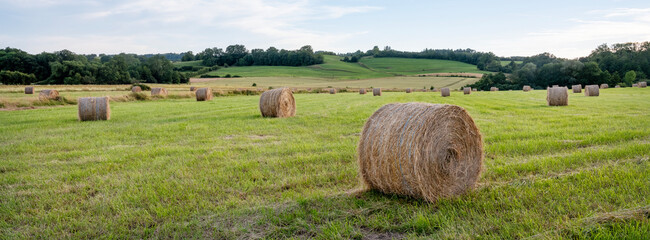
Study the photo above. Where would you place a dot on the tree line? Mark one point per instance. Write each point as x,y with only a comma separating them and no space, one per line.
66,67
238,55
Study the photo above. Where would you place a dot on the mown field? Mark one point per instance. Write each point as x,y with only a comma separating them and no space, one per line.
177,168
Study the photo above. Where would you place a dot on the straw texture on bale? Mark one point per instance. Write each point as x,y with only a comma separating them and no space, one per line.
408,90
576,88
467,90
422,150
376,91
48,95
332,90
278,103
557,96
444,92
604,86
494,89
94,108
526,88
29,90
193,88
592,91
204,94
643,84
158,91
136,89
362,91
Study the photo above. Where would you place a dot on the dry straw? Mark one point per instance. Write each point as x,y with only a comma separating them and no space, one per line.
635,85
362,91
204,94
445,92
643,84
158,92
193,88
48,94
29,90
576,88
557,96
526,88
278,103
423,150
604,86
617,86
473,89
136,89
94,108
556,86
408,90
467,90
592,91
494,89
332,90
376,91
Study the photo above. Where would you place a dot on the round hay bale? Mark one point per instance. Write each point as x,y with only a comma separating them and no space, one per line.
576,88
408,90
526,88
617,86
48,94
494,89
29,90
643,84
473,89
422,150
556,86
445,92
204,94
193,88
94,108
376,91
635,85
604,86
557,96
158,92
278,103
136,89
362,91
467,90
332,90
592,91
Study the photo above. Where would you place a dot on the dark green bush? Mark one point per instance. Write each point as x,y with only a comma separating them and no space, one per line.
142,86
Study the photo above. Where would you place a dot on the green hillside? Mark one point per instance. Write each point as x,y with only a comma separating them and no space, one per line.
410,66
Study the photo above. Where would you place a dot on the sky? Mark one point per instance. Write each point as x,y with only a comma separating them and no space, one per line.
567,28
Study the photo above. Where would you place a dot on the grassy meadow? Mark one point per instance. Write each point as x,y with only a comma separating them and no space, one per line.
177,168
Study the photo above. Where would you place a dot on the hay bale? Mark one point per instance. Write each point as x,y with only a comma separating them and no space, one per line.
467,90
158,92
136,89
204,94
362,91
473,89
278,103
526,88
576,88
642,84
94,108
592,91
555,86
635,85
376,91
617,86
193,88
48,94
557,96
494,89
332,90
29,90
604,86
408,90
422,150
445,92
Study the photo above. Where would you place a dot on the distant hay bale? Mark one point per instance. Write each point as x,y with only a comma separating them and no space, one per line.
158,92
48,94
604,86
332,90
592,91
422,150
494,89
408,90
29,90
94,108
193,88
376,91
635,85
617,86
278,103
473,89
204,94
444,92
362,91
557,96
643,84
526,88
467,90
576,88
136,89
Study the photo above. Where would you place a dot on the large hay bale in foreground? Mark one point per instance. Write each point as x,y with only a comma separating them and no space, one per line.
643,84
94,108
158,92
362,91
29,90
204,94
526,88
278,103
576,88
136,89
467,90
557,96
494,89
445,92
604,86
408,90
376,91
48,94
592,91
423,150
332,90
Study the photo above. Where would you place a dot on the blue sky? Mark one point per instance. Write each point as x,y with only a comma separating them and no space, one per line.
508,28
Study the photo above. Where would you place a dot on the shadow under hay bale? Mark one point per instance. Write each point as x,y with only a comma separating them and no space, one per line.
592,91
49,94
422,150
642,84
136,89
494,89
557,96
159,92
204,94
604,86
376,91
29,90
445,92
467,90
278,103
362,91
526,88
576,88
94,108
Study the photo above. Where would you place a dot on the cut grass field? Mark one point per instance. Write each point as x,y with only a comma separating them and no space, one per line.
178,168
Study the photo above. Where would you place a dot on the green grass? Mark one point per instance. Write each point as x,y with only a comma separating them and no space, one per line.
505,63
410,66
189,63
178,168
391,82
